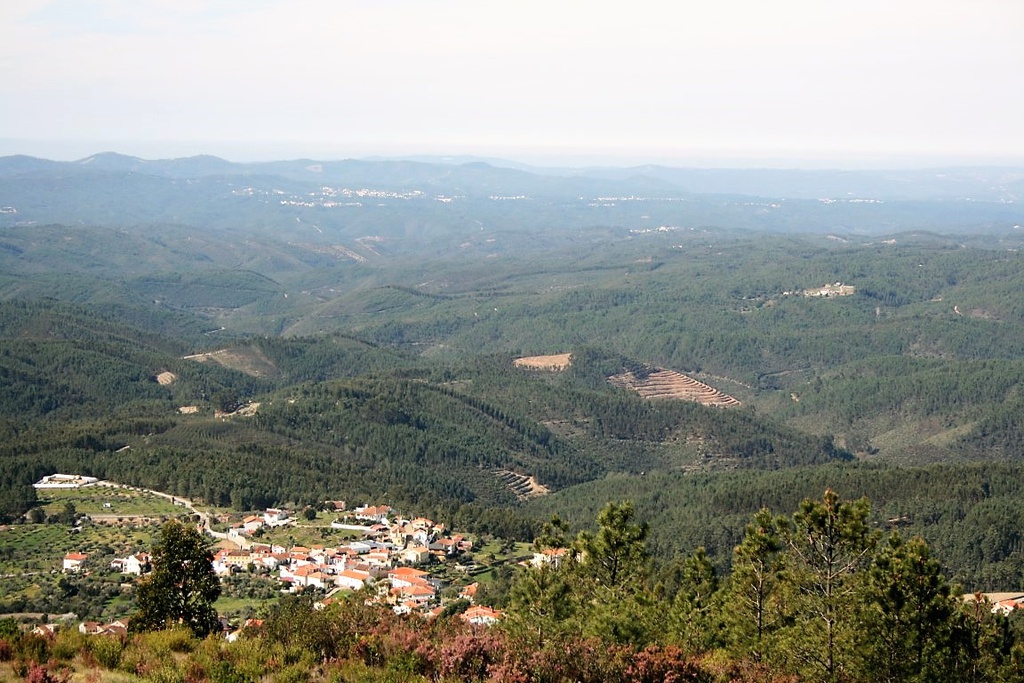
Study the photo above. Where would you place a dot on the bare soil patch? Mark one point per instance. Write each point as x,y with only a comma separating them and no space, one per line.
521,485
247,410
166,378
553,363
661,383
247,360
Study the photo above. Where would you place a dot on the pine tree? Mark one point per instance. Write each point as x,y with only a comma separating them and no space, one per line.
830,543
616,557
756,585
541,600
694,610
908,614
611,572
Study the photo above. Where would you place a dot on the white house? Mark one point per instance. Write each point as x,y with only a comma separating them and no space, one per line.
374,513
352,579
480,615
549,556
136,564
415,554
276,517
73,562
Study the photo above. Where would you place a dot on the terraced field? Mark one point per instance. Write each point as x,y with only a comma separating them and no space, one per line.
521,485
661,383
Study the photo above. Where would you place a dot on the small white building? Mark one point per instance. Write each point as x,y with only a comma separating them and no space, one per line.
352,579
481,615
73,562
276,517
136,564
64,481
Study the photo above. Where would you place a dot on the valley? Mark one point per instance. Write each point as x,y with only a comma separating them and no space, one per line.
461,338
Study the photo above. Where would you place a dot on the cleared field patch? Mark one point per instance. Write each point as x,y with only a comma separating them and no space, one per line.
249,360
661,383
553,363
108,501
522,486
165,378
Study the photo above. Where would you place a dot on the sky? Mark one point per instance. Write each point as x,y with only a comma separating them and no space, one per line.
872,83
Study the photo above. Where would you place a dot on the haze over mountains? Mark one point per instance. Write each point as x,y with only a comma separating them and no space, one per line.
1000,184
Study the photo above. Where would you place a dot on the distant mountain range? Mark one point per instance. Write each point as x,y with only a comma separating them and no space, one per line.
422,200
998,184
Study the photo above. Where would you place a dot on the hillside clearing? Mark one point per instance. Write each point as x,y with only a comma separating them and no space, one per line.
165,378
553,363
524,487
661,383
248,360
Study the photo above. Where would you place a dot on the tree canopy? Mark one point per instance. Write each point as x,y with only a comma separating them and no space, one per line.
182,588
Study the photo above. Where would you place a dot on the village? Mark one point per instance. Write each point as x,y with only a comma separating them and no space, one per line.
390,560
396,562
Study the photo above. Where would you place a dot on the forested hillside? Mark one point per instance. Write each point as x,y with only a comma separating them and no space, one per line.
283,335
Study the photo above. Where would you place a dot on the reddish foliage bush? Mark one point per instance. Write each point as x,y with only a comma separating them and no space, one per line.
581,660
39,673
656,664
468,656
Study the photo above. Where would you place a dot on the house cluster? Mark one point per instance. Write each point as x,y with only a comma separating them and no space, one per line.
271,517
826,291
837,289
118,627
137,564
385,557
387,560
1008,605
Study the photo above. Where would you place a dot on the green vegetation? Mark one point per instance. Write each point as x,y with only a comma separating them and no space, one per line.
181,589
290,352
107,501
815,595
408,396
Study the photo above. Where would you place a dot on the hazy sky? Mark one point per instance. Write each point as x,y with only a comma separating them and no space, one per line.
750,81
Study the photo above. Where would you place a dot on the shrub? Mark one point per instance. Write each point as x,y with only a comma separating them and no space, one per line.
656,664
225,672
467,657
39,673
33,648
67,644
295,673
163,643
107,651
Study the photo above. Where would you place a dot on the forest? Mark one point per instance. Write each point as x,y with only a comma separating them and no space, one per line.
861,389
254,337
